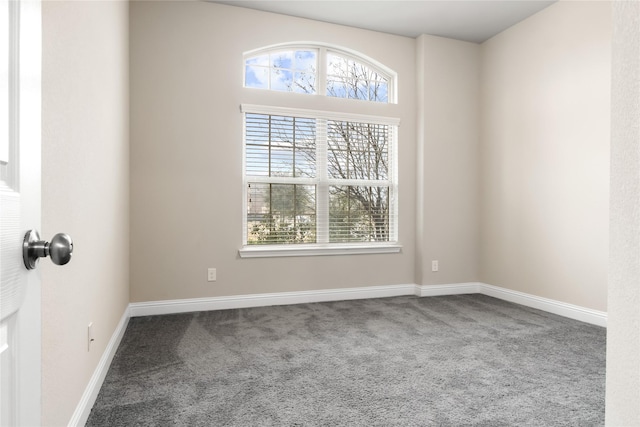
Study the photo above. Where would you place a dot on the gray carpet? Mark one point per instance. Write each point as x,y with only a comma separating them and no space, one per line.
403,361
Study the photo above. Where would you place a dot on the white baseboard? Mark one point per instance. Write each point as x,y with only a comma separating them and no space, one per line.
571,311
451,289
263,300
81,414
284,298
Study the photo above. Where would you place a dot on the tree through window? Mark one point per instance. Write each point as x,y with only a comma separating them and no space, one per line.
348,78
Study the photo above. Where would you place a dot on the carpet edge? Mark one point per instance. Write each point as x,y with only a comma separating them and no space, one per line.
151,308
570,311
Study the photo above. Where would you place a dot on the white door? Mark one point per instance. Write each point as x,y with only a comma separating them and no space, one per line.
20,88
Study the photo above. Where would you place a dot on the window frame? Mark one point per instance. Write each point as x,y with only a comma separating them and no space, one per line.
293,99
324,247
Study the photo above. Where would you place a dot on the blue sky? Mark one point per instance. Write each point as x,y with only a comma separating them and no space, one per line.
282,69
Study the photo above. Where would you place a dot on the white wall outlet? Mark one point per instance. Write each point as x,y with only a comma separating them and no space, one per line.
434,265
90,337
211,275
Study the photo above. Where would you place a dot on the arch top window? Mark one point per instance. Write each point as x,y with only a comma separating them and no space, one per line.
319,70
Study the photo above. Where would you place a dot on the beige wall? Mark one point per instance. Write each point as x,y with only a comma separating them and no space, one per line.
447,182
544,155
623,331
186,152
85,191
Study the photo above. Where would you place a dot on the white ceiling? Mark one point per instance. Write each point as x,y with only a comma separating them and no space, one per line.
469,20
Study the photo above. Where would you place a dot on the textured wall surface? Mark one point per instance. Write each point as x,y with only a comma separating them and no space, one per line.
623,332
85,191
447,187
544,155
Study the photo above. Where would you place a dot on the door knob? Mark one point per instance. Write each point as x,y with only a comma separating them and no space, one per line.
59,249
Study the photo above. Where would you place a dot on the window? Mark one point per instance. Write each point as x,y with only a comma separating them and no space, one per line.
281,210
318,70
318,182
359,184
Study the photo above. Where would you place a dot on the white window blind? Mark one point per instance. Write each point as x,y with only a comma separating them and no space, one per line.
318,178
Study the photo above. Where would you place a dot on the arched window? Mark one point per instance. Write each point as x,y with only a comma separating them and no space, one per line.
321,70
318,182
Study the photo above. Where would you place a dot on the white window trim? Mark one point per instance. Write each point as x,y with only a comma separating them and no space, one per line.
322,249
319,114
273,251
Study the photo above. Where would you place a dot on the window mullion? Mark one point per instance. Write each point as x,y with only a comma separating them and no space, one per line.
295,207
322,192
270,142
294,144
321,72
393,188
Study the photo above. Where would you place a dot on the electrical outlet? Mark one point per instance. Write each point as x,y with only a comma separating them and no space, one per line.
434,265
211,275
90,337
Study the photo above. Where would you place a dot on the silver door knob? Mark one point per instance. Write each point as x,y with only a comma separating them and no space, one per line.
59,249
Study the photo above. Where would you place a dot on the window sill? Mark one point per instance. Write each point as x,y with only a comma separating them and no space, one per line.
317,250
